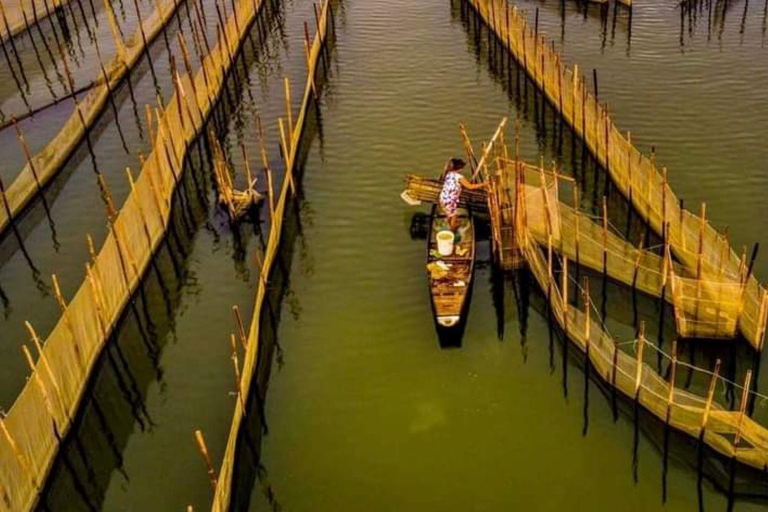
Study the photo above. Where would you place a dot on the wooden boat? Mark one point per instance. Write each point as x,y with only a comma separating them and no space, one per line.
450,277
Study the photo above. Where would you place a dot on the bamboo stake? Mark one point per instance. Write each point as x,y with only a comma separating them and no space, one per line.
65,316
629,163
564,286
310,69
261,266
288,156
702,224
289,114
742,408
576,216
150,125
27,154
41,386
605,236
267,171
761,326
587,309
188,68
206,458
236,368
640,347
710,396
20,456
673,370
44,359
240,328
115,29
97,308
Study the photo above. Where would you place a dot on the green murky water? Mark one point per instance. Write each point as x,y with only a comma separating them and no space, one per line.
364,409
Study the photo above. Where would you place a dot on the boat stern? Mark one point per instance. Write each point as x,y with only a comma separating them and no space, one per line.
448,320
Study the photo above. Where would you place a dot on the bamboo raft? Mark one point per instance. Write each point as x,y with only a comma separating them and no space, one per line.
705,253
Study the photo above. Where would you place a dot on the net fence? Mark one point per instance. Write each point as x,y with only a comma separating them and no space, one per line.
706,254
290,138
43,166
15,12
732,433
31,431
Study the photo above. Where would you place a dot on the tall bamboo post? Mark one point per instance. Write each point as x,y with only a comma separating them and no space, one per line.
742,409
115,29
605,237
240,328
710,396
672,374
587,311
640,347
47,366
267,170
287,152
699,256
206,458
308,52
142,213
20,456
41,387
27,154
629,163
236,368
288,109
564,294
576,215
67,320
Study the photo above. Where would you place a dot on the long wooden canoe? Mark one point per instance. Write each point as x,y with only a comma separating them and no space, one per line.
450,277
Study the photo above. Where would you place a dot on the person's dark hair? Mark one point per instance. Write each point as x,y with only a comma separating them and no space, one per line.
456,164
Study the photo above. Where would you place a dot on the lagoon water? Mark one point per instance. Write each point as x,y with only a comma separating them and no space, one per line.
364,409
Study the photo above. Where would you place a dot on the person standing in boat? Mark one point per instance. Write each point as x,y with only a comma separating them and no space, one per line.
453,183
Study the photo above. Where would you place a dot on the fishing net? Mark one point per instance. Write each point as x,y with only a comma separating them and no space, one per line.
45,408
704,253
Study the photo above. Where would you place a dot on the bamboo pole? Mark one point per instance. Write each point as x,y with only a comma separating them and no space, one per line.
286,151
673,370
587,309
240,328
206,458
710,396
605,237
67,320
27,154
640,347
46,365
267,170
288,109
41,386
20,456
702,223
142,213
742,409
115,30
310,69
236,368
